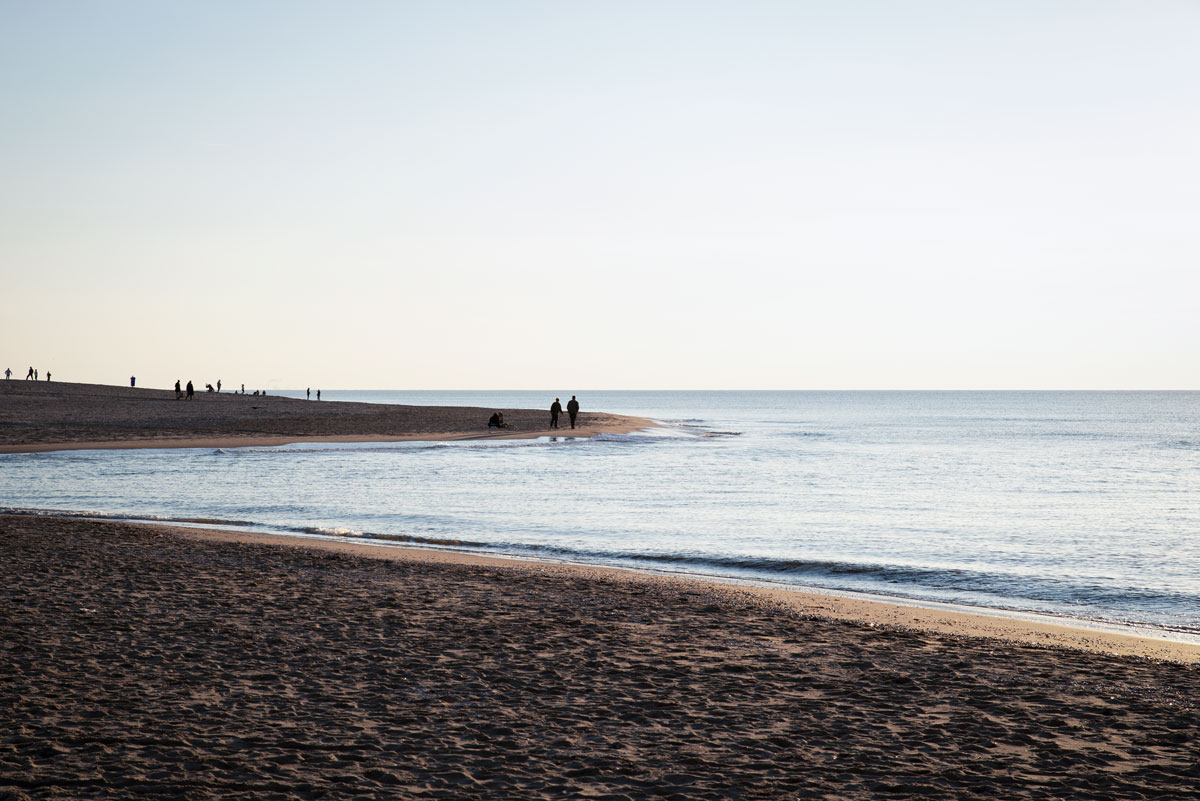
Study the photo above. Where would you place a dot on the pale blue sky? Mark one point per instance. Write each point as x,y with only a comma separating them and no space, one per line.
602,195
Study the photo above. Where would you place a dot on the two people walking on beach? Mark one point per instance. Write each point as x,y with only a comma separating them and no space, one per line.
556,410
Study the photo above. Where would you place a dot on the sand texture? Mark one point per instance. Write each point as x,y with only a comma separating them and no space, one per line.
51,416
139,663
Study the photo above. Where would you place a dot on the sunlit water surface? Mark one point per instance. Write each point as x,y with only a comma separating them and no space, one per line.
1073,504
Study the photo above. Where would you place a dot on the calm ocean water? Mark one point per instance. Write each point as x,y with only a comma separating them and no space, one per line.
1084,505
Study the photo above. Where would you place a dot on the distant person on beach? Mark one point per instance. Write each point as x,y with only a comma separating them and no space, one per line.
132,380
243,389
178,390
191,391
497,421
318,394
30,375
7,373
572,409
218,385
555,411
308,394
47,375
35,375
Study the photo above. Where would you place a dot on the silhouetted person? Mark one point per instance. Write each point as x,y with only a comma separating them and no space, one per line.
191,391
133,380
7,373
555,411
35,376
218,385
30,375
572,409
318,394
178,390
47,375
308,394
497,421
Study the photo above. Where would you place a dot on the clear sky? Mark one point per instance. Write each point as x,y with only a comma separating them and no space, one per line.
602,195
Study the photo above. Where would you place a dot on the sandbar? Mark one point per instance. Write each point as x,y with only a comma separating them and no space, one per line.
48,416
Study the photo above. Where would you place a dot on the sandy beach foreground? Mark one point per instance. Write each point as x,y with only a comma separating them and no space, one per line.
43,416
147,662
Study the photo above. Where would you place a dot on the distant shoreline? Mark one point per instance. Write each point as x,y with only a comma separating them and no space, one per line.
51,416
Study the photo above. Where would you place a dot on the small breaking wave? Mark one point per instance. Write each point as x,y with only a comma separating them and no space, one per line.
1077,597
247,525
411,539
1180,445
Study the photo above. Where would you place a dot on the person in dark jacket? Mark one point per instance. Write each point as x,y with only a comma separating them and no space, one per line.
572,409
555,411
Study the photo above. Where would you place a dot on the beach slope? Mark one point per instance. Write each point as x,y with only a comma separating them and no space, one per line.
145,662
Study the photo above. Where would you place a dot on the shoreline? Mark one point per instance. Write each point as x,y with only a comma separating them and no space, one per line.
934,617
870,612
629,425
902,614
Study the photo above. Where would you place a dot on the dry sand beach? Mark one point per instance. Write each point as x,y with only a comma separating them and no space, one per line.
42,416
147,662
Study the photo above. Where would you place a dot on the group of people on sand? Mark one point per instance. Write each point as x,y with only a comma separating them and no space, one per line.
556,409
32,375
189,392
308,394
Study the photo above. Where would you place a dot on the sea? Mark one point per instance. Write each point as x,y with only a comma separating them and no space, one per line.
1083,506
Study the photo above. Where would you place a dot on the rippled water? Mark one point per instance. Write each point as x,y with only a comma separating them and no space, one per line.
1077,504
